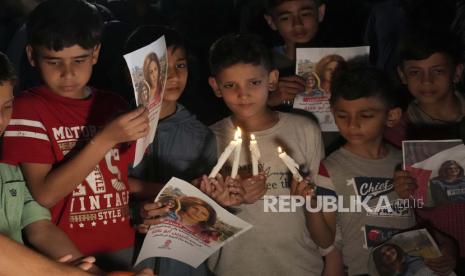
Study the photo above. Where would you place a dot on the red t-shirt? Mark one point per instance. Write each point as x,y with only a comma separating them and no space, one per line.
47,128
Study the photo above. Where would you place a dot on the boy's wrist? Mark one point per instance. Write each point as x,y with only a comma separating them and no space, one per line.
101,141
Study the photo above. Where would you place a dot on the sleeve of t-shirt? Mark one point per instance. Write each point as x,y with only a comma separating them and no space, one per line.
325,186
32,211
26,138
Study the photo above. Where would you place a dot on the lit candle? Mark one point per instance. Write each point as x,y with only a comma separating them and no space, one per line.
290,163
223,157
237,153
255,152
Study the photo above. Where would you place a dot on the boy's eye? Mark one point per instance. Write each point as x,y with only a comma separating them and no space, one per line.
438,71
284,17
413,73
181,65
53,63
307,13
256,82
341,115
228,85
367,115
80,60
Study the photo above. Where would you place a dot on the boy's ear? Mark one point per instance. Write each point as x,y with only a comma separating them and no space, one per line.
270,22
458,73
321,12
214,86
401,74
30,55
273,79
96,53
394,115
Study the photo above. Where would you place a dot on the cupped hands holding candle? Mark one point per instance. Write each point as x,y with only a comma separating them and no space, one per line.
290,163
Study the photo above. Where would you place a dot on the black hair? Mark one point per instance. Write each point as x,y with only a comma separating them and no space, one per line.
56,24
270,5
146,34
362,82
7,74
418,45
239,48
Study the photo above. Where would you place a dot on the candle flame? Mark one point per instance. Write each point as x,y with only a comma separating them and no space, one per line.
280,150
237,134
252,137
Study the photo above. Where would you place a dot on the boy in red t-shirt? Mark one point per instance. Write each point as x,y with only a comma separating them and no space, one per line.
71,149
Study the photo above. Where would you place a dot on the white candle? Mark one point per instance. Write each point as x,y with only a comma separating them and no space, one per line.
223,157
290,163
255,152
237,153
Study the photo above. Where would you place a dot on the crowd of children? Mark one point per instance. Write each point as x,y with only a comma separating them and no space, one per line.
69,190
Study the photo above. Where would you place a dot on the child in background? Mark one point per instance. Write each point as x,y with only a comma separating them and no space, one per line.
363,106
279,243
19,212
297,22
430,66
183,147
64,135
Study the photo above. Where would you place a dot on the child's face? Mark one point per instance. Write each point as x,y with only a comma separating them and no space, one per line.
65,72
362,121
6,104
430,80
244,88
177,74
296,21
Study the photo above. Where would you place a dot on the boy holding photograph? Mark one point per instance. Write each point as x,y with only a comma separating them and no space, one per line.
431,66
64,135
363,106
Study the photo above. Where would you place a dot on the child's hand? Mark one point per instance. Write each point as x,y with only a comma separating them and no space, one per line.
227,192
288,88
404,184
442,266
445,264
151,214
303,188
84,263
127,127
254,187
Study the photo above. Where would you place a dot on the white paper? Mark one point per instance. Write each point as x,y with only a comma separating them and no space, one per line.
405,251
141,64
191,244
310,64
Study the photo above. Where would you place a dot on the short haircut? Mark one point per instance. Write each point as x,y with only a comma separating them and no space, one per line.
56,24
362,82
418,45
7,73
270,5
238,48
147,34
